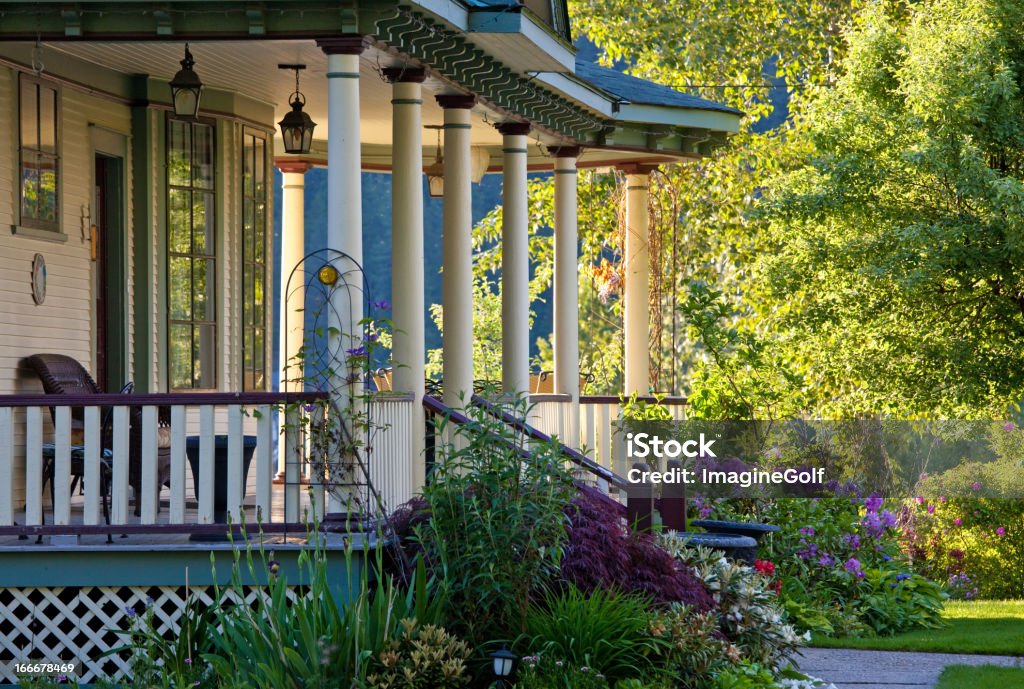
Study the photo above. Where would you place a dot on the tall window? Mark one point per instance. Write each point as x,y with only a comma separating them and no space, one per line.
191,255
254,265
39,130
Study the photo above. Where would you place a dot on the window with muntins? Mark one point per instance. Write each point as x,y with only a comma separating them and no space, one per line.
191,255
39,153
254,263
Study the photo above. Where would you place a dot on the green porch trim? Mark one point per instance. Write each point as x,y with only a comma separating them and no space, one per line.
204,565
450,54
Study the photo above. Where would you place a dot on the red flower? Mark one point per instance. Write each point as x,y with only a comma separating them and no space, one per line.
764,567
777,587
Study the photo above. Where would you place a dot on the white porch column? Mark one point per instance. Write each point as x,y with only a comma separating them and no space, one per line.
566,286
344,215
407,284
292,296
457,252
636,312
515,261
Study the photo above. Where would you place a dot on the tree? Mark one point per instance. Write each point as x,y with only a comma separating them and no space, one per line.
896,269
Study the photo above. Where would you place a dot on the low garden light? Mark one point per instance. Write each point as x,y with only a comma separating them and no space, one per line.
503,660
186,88
296,126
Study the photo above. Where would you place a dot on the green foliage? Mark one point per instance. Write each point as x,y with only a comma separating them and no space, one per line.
973,545
980,677
603,630
738,378
311,641
896,245
159,658
891,602
544,672
746,675
497,523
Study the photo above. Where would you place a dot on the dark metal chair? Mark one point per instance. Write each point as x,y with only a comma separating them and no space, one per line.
63,375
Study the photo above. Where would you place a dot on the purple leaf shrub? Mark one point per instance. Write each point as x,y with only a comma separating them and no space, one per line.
602,553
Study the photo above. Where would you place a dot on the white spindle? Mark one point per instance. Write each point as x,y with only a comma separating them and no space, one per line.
62,466
119,500
236,480
604,428
6,466
178,426
33,466
206,459
292,461
264,462
91,466
150,490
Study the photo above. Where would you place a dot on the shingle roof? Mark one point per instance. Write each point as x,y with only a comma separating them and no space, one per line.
642,92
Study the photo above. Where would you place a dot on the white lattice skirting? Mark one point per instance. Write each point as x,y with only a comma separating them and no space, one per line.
78,623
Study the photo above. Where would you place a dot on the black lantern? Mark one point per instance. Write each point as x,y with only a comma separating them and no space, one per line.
185,88
503,659
296,126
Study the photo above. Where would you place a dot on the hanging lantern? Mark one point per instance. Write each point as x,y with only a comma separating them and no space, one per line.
186,88
435,171
296,126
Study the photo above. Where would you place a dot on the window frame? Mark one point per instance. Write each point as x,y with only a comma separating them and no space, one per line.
212,255
249,135
53,227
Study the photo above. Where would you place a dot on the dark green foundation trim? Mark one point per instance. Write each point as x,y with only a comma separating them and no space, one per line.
406,101
204,565
343,75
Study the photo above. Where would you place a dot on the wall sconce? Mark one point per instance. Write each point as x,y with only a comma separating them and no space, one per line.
296,126
186,88
435,171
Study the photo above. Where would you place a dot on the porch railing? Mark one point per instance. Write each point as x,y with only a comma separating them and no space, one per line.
121,440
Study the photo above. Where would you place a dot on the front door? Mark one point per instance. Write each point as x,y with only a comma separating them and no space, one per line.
108,248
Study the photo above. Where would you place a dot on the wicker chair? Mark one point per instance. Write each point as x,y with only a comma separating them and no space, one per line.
63,375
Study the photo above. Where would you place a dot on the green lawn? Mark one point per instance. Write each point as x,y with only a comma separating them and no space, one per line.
981,677
994,627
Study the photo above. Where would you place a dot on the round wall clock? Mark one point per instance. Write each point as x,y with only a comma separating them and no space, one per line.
38,279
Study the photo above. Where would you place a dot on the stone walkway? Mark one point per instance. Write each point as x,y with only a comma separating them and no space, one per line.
849,669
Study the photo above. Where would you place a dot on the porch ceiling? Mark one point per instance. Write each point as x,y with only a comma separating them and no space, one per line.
250,68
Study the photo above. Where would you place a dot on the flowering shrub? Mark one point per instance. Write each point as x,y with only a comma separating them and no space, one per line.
836,558
694,648
973,545
748,608
424,657
544,672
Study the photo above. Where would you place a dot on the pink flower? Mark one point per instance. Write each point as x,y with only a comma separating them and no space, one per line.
920,500
975,486
1000,531
958,521
931,509
1009,426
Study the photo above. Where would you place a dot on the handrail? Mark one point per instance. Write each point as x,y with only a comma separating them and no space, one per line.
650,399
159,398
535,434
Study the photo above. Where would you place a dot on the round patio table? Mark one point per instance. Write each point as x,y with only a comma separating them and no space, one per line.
752,529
